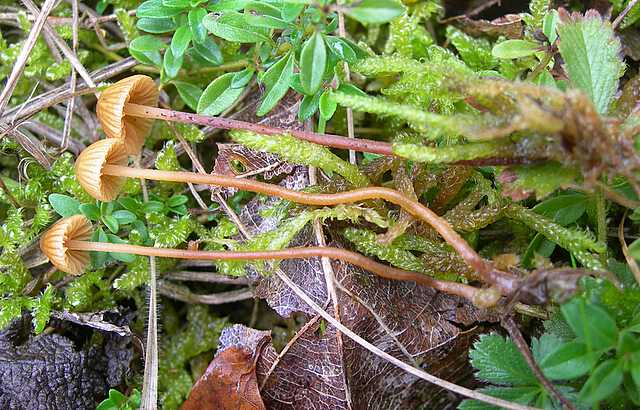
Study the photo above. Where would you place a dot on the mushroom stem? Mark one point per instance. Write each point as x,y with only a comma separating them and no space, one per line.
328,140
503,281
387,272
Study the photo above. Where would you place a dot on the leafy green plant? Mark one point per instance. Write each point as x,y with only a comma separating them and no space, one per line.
118,401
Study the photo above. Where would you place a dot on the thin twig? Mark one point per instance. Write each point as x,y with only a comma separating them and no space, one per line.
22,58
149,400
347,73
511,326
624,13
68,117
463,391
209,277
183,294
68,53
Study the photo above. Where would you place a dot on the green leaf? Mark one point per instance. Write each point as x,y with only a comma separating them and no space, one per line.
313,60
124,217
91,211
145,49
341,48
603,382
64,205
171,64
41,312
327,105
180,41
209,51
219,95
198,31
151,207
262,14
290,11
523,395
550,24
182,4
276,81
155,9
375,11
569,361
591,324
242,78
498,360
156,26
232,26
592,56
563,209
177,200
542,179
308,106
514,49
189,93
98,259
111,223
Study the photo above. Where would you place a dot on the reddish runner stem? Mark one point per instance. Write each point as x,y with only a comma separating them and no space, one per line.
354,258
504,281
328,140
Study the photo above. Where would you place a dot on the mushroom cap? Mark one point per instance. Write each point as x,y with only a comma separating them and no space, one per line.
137,89
90,165
54,244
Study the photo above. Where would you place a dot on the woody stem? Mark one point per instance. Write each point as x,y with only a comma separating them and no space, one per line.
502,280
466,291
328,140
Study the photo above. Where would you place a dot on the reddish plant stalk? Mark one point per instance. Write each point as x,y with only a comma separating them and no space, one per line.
466,291
503,281
328,140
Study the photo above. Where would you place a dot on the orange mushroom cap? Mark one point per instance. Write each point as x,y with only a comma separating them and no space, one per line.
54,244
89,168
137,89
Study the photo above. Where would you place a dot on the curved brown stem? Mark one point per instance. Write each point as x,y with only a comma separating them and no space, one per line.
505,282
328,140
387,272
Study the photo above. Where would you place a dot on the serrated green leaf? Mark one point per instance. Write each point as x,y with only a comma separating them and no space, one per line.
541,179
514,49
313,60
232,26
276,81
498,360
64,205
219,95
603,382
41,312
592,56
375,11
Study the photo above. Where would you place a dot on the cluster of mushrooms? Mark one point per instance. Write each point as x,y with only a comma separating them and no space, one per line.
126,111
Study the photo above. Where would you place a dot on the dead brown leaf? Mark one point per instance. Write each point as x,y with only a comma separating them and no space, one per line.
230,382
509,25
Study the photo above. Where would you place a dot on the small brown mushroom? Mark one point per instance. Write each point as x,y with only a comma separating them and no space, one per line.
127,109
89,168
55,244
111,110
66,245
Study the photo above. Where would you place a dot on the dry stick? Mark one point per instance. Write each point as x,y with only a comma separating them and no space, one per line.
510,325
397,362
330,280
465,291
21,60
284,351
149,400
633,265
347,73
68,53
504,281
63,93
68,117
209,277
328,140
